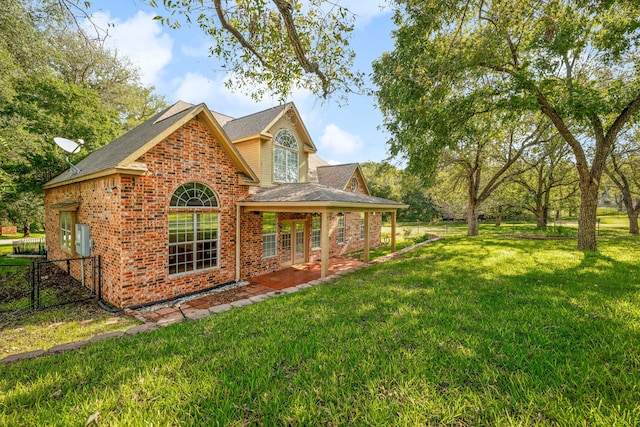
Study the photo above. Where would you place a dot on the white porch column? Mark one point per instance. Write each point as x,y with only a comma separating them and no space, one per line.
393,231
324,245
238,249
366,237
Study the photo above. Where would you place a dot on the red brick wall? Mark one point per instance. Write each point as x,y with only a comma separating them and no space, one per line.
133,238
128,220
252,263
8,230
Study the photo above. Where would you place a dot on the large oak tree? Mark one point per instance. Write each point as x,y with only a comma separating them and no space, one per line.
575,61
272,47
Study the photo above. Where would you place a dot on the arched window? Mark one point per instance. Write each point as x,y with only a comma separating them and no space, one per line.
193,228
285,157
354,184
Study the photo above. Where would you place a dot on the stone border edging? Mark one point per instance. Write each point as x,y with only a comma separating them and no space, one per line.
198,314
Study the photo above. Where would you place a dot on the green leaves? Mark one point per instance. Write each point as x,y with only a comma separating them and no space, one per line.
274,47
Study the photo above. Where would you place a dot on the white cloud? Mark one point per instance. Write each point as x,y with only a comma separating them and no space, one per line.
338,143
142,40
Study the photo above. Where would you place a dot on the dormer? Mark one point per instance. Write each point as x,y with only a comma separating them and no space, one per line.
275,143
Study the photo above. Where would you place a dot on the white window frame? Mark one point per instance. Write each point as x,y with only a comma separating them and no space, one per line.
269,239
340,229
316,230
194,208
286,164
361,225
67,230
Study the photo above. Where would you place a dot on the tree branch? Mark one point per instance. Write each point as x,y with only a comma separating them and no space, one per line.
285,8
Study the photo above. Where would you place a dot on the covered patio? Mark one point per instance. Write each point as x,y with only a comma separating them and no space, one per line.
317,199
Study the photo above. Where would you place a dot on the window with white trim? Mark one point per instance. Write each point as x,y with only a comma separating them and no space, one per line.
285,157
354,184
315,232
66,230
361,225
269,234
193,229
340,228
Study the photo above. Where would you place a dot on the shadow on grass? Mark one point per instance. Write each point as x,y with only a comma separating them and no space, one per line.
460,332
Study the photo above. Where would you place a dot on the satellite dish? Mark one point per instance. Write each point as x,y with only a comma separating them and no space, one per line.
68,145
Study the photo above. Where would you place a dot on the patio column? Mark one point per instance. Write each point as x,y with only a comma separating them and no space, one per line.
393,231
238,249
366,237
324,245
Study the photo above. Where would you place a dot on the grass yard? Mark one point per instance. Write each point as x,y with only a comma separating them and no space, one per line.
24,330
482,331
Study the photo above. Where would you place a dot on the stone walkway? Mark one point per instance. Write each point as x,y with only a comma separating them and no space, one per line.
285,281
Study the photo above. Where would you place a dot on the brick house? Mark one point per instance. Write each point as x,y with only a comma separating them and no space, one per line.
192,199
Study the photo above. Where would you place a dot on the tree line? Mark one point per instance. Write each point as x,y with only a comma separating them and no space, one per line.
532,97
57,79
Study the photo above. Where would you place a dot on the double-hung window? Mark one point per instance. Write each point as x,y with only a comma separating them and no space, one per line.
340,228
269,234
66,230
193,229
315,232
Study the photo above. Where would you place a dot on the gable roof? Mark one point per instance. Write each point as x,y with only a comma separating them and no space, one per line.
339,176
252,124
259,124
121,154
336,176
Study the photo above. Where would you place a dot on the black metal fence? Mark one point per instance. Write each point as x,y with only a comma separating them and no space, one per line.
48,283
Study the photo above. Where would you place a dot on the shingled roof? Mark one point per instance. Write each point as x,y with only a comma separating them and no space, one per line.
253,123
319,195
123,152
336,176
315,162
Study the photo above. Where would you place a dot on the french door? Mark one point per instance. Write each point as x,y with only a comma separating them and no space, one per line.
293,244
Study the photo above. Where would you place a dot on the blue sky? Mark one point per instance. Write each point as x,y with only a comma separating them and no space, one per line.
176,62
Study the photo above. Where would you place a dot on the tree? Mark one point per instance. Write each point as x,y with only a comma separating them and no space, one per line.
26,210
54,81
386,181
550,168
383,179
575,61
273,47
485,160
623,168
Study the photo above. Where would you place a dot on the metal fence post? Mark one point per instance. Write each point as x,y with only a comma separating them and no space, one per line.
33,285
38,281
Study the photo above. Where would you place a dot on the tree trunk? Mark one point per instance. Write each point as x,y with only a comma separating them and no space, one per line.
27,228
587,217
633,219
498,220
541,219
472,218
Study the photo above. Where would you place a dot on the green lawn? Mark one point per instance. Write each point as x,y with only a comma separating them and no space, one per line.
24,330
481,331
